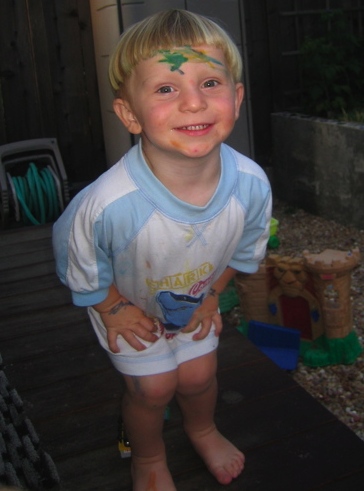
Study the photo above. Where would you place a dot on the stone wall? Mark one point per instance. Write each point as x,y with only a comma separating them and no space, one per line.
318,165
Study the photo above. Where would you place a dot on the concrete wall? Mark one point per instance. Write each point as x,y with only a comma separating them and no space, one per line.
318,165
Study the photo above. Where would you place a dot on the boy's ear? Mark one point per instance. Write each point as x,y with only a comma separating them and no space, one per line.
126,116
239,97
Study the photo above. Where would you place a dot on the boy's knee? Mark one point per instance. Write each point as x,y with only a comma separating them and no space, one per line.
154,390
195,386
197,375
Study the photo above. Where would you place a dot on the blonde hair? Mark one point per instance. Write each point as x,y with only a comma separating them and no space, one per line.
166,30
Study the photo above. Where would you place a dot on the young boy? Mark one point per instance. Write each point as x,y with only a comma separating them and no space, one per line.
152,243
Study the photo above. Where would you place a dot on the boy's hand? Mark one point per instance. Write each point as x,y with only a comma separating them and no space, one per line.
208,312
123,318
128,321
205,315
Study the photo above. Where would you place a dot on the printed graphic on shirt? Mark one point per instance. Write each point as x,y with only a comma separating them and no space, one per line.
177,309
194,280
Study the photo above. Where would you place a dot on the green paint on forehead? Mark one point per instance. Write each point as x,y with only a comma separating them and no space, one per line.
183,55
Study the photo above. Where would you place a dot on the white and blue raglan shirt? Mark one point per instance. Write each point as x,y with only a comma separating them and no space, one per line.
161,253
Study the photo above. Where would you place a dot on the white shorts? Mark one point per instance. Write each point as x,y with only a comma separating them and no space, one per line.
161,356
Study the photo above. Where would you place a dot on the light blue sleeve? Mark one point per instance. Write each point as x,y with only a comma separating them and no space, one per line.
86,237
61,235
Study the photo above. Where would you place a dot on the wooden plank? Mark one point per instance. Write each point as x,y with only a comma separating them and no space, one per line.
235,349
252,381
18,248
19,84
52,341
20,260
24,235
93,153
249,428
35,49
112,473
47,319
301,463
33,301
12,276
353,481
75,394
246,423
35,283
274,416
78,145
41,66
185,464
304,461
109,471
54,367
90,429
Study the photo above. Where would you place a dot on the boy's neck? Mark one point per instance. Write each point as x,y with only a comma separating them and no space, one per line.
191,180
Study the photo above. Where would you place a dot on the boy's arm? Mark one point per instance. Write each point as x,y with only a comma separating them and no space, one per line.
208,312
123,318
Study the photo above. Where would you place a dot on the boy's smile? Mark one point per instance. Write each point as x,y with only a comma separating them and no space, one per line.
183,102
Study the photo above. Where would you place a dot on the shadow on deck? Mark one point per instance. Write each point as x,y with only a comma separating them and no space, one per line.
72,395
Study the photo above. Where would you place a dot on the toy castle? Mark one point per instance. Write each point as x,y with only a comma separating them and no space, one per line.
310,293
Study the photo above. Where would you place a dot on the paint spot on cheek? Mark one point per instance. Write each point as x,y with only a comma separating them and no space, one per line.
148,265
176,144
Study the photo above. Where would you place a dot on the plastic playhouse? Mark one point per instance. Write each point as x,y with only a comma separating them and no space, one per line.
310,294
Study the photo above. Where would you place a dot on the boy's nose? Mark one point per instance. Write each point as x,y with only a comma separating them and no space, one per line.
192,100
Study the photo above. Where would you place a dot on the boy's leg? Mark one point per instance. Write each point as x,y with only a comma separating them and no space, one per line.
196,394
143,408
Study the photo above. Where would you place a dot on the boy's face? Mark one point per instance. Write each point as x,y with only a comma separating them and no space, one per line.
182,101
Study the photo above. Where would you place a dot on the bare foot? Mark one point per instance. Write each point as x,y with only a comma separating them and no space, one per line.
151,475
221,457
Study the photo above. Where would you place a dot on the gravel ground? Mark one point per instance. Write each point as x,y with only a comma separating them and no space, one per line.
340,388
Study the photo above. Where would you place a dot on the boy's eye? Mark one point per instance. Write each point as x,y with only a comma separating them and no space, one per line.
165,89
211,83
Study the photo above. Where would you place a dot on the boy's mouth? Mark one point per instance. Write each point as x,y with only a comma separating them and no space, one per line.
197,127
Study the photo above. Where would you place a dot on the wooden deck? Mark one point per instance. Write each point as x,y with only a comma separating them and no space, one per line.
72,395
